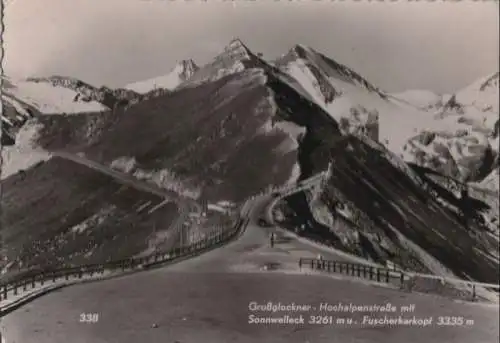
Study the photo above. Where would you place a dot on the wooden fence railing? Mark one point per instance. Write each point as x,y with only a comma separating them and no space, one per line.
355,269
406,280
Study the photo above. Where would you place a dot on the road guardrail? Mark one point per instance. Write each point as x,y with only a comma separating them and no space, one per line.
405,280
72,274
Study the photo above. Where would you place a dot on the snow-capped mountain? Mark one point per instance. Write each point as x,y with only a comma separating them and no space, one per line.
88,93
24,98
180,73
355,103
49,97
407,123
449,133
468,146
55,95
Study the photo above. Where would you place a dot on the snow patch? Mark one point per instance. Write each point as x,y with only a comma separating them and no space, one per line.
6,120
491,181
294,175
217,208
180,73
299,71
49,99
124,164
24,154
294,84
293,131
321,213
93,221
162,178
225,203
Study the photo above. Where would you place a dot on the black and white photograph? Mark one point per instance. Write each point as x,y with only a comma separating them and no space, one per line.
249,171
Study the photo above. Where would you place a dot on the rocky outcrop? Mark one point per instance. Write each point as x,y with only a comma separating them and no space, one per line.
361,122
463,155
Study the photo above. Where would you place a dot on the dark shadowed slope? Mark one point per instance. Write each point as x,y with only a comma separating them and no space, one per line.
60,212
379,210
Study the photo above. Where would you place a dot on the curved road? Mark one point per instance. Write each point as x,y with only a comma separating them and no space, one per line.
206,299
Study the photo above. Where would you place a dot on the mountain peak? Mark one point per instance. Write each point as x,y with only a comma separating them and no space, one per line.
236,43
235,58
325,68
301,48
297,51
237,49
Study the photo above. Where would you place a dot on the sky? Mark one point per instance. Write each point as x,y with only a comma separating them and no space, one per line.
396,45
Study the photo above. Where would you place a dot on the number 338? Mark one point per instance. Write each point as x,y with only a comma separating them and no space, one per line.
89,317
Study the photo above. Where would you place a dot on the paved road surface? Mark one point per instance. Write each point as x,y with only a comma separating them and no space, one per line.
206,299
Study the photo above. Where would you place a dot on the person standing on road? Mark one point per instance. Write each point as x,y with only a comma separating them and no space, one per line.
271,238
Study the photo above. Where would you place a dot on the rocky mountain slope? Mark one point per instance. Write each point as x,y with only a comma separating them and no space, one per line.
239,125
218,136
377,207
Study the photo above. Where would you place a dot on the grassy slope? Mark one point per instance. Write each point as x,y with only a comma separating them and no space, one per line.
42,204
